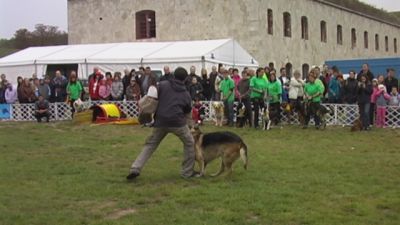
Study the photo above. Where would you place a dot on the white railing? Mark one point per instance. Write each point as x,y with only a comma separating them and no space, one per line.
341,114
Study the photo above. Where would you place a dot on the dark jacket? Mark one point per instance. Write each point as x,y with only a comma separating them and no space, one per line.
167,76
391,83
369,74
174,103
196,91
364,93
350,91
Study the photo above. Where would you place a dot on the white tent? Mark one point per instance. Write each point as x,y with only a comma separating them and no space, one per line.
120,56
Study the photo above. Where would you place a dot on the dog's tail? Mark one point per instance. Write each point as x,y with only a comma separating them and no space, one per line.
243,154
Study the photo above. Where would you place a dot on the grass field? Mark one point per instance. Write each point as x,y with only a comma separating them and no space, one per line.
59,173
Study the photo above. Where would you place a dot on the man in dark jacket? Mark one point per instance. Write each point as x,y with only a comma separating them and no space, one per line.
174,105
366,72
390,80
167,74
350,89
364,100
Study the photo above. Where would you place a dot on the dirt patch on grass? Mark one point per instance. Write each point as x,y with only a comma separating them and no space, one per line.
120,213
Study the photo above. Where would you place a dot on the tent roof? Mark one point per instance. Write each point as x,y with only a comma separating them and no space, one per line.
226,51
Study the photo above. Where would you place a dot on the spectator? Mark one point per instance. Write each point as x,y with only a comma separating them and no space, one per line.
394,97
42,109
44,89
284,80
3,87
364,100
192,75
258,90
59,85
390,80
126,80
26,93
117,87
244,97
227,87
372,109
109,79
174,106
94,86
74,90
213,76
10,94
206,84
196,90
394,104
3,79
381,79
167,74
366,72
218,79
274,97
296,91
95,70
36,84
350,89
133,92
236,80
382,98
146,80
20,81
313,93
334,88
105,88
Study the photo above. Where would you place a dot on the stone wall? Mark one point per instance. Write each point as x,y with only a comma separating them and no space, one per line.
103,21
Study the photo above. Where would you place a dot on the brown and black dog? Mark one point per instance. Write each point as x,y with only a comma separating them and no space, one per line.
226,145
357,125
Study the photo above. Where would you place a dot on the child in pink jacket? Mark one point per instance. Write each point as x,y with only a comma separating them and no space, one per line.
381,98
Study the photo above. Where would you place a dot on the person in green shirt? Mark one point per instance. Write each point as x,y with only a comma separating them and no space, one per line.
274,95
227,87
74,90
313,92
258,90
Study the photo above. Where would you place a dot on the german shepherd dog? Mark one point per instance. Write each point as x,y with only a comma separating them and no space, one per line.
226,145
218,113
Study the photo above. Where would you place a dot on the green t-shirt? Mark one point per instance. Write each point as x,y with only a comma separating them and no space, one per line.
274,91
312,89
227,87
321,84
260,84
74,90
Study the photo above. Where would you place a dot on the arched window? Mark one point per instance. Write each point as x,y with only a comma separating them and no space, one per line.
395,45
304,28
377,42
287,26
305,69
366,39
353,38
339,36
270,21
323,32
387,43
145,24
288,68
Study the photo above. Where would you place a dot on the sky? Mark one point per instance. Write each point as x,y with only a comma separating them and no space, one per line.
17,14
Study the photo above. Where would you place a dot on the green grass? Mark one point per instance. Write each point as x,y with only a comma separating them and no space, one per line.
65,174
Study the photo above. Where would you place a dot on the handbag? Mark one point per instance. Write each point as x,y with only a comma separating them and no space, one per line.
147,105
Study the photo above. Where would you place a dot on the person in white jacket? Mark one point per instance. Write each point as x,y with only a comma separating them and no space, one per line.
10,94
296,91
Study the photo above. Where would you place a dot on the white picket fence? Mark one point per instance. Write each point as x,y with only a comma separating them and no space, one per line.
341,114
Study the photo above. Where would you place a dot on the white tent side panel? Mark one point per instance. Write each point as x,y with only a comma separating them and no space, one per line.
12,72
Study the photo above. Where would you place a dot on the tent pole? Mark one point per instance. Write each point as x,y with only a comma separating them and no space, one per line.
87,69
203,62
34,63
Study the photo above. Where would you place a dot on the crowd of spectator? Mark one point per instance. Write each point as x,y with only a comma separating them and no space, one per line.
257,90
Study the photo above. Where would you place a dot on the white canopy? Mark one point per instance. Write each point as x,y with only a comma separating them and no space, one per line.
119,56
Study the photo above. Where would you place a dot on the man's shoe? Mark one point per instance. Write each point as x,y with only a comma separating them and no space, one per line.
195,174
132,175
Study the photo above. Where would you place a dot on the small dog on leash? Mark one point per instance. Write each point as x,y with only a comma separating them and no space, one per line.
218,113
266,119
357,125
226,145
240,115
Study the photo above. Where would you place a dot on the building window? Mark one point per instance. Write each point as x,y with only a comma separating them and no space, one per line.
353,38
377,42
339,35
304,28
288,68
270,19
306,70
366,39
395,45
287,26
387,43
145,24
323,31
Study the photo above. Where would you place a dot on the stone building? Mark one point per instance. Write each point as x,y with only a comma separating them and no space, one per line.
293,33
